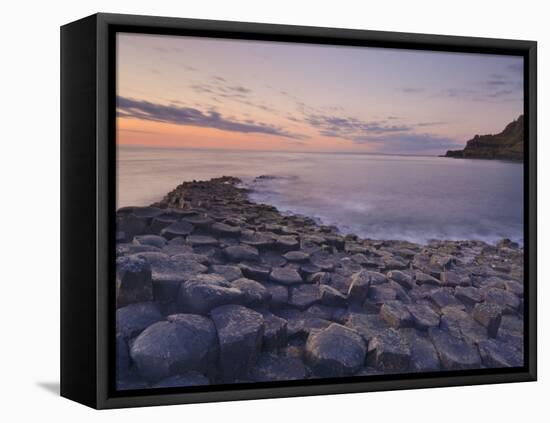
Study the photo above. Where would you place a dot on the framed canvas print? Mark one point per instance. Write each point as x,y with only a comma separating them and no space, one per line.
255,211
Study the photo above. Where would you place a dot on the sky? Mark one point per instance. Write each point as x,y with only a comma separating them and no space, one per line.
206,93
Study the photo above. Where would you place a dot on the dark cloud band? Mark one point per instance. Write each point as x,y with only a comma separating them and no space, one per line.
145,110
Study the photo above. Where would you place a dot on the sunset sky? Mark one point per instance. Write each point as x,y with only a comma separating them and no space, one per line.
194,92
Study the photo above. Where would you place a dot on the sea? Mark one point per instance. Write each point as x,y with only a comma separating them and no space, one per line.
413,198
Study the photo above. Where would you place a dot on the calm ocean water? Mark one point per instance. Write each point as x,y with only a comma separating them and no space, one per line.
373,196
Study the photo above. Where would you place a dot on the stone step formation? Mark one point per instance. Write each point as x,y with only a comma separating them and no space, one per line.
212,288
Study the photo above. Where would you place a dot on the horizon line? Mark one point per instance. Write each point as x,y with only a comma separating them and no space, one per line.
160,147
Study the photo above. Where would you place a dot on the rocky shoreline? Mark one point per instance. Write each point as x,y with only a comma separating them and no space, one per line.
213,288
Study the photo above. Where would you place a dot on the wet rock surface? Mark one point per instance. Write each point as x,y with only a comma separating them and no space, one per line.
335,351
133,280
389,351
132,319
285,276
454,352
204,292
272,367
184,343
240,333
213,288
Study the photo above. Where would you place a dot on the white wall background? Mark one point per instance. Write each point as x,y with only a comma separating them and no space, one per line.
29,167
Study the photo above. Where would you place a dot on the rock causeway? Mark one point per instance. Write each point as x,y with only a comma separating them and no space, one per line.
213,288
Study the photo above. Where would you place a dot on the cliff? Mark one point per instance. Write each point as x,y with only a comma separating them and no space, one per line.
507,145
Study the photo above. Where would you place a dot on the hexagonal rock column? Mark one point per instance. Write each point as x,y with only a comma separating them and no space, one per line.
201,241
200,222
454,353
254,271
186,342
177,229
228,272
302,296
255,294
169,272
153,240
366,325
395,313
285,276
296,256
490,316
272,367
279,295
204,292
286,243
237,253
402,278
506,300
359,287
161,222
275,331
335,351
332,297
499,354
388,351
225,230
133,281
423,316
240,332
460,324
137,222
134,318
424,357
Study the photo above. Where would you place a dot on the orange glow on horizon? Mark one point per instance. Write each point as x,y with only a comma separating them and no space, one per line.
167,135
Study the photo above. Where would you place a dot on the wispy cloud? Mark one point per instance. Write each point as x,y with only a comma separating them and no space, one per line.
389,137
500,93
411,90
349,127
416,143
488,91
499,80
434,123
501,86
145,110
219,90
458,92
505,85
497,83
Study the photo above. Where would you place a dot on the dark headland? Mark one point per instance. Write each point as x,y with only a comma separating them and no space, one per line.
507,145
213,288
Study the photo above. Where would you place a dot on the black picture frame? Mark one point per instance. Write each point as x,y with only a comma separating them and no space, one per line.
88,207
